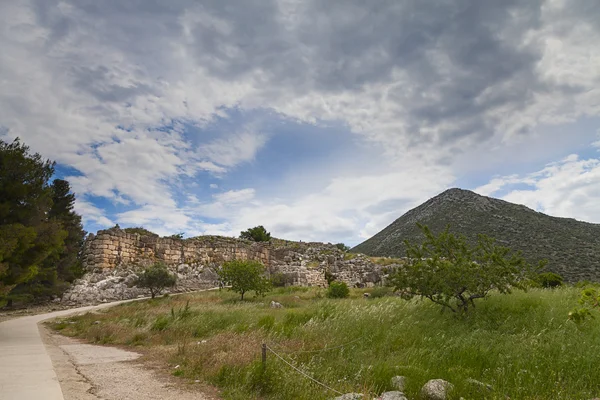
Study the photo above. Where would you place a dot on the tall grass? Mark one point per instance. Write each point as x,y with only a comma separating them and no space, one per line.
520,344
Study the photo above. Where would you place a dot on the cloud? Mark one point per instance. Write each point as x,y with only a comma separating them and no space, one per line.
568,188
233,150
91,213
114,97
235,196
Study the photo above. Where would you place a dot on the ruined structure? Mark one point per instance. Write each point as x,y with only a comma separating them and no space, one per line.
113,258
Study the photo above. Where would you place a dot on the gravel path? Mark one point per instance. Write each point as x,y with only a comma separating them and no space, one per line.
88,372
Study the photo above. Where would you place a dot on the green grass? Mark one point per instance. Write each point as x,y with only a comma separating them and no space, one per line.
521,344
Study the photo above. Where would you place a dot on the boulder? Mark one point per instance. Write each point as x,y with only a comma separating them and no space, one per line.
394,395
436,389
399,383
350,396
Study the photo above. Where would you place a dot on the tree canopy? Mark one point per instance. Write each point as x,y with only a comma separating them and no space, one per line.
156,278
447,271
257,234
245,276
40,234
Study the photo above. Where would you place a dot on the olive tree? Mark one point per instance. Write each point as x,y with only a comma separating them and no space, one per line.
156,278
449,272
256,234
245,276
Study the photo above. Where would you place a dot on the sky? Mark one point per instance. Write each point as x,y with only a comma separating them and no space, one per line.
321,120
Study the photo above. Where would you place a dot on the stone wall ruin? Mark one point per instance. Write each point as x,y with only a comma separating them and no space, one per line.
113,258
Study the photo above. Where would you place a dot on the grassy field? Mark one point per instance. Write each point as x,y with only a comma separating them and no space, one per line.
520,344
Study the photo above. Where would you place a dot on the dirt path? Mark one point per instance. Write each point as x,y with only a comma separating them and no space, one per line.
88,372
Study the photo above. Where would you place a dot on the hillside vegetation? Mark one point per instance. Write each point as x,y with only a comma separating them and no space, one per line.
520,344
571,247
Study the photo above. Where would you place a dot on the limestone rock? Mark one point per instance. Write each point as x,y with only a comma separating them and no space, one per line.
399,383
394,395
436,389
350,396
275,304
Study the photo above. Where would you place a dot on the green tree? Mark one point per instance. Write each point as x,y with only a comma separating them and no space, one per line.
156,278
69,265
257,234
29,237
445,270
549,280
342,247
62,267
245,276
338,290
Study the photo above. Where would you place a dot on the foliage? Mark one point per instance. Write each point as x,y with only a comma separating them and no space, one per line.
156,278
571,247
589,301
257,234
447,271
140,231
178,236
549,280
40,235
381,291
245,276
342,247
338,290
520,344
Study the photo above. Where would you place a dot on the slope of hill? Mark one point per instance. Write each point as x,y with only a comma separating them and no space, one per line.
571,247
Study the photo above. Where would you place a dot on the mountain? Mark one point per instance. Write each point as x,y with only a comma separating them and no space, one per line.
571,247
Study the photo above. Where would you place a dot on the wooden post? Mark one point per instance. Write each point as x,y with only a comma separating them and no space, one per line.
264,355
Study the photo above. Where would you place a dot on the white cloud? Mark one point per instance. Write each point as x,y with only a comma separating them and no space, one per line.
91,213
234,149
235,196
568,188
108,96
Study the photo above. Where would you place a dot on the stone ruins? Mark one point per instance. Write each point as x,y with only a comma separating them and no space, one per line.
113,258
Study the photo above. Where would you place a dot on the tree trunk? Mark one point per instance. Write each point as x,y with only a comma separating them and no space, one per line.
242,296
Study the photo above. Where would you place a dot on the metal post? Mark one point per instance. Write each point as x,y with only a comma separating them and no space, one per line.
264,355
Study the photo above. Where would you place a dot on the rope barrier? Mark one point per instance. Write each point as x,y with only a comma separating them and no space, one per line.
302,372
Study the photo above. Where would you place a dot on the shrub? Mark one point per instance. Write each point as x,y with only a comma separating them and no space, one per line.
156,278
445,270
380,291
549,280
338,290
139,230
342,247
589,300
245,276
257,234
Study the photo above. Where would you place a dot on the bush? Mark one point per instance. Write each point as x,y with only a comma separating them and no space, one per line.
156,278
342,247
380,291
245,276
447,271
549,280
338,290
256,234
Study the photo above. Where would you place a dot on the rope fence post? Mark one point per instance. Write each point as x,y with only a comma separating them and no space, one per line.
264,355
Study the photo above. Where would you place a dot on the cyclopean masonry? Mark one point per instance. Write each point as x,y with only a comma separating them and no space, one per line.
113,258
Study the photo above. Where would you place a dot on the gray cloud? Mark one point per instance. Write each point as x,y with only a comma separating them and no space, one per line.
430,80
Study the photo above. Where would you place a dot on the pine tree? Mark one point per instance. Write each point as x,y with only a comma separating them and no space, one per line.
28,237
69,265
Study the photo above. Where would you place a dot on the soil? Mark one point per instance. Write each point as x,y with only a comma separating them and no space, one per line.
89,372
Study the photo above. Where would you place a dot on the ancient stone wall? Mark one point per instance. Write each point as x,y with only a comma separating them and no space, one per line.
114,258
114,248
